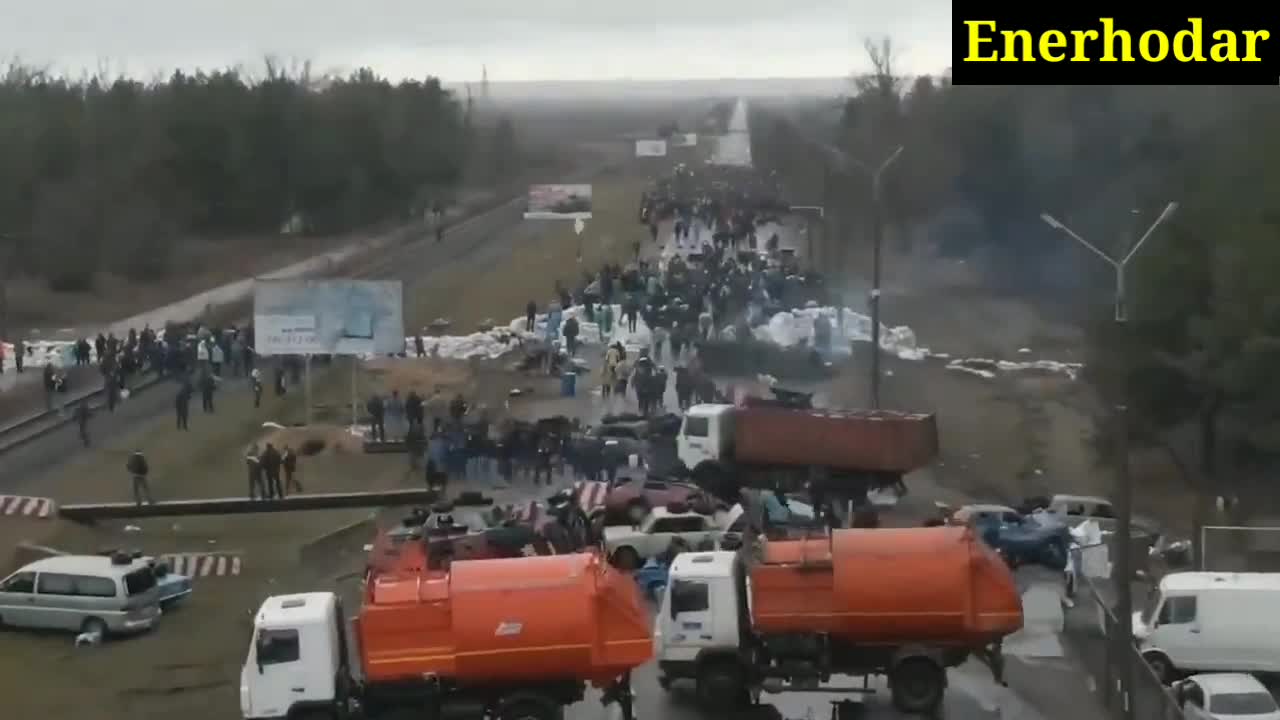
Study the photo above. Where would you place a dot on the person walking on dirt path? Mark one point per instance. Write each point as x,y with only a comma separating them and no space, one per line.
19,355
289,463
253,466
138,470
82,420
377,416
530,315
270,461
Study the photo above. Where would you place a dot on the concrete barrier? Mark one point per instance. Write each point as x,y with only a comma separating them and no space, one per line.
325,549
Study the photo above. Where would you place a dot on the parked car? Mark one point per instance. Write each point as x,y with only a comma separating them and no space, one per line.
1225,696
627,547
630,500
95,594
794,519
171,588
1078,508
1037,538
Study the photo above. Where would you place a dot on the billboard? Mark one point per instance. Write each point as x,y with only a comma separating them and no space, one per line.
558,202
651,148
684,140
328,317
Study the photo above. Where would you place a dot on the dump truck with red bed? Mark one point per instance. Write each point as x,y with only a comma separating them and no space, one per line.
832,453
789,615
508,639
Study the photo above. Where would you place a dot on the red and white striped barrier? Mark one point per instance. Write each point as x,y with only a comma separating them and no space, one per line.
591,497
198,565
27,506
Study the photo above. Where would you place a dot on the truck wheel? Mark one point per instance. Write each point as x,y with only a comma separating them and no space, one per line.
917,686
720,686
626,558
1161,666
531,710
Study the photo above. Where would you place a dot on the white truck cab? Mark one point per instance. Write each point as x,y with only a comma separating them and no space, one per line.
705,435
297,659
701,612
1210,622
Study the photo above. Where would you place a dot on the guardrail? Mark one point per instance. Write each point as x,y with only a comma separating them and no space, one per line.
40,424
1090,627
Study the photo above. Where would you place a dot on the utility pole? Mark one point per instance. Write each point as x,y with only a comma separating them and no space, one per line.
877,239
8,258
1123,576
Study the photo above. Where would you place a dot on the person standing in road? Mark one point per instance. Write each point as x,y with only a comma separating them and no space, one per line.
207,386
571,336
19,354
138,471
1,356
254,467
414,411
270,461
48,387
289,462
377,416
419,345
255,382
82,420
530,315
182,403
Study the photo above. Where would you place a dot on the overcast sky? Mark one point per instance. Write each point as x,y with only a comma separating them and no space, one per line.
451,39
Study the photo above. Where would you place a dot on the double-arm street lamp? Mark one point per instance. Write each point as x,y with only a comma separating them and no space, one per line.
1124,486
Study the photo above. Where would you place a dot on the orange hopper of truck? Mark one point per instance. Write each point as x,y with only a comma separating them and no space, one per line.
503,621
935,586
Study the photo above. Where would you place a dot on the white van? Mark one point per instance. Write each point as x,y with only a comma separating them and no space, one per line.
1211,622
82,593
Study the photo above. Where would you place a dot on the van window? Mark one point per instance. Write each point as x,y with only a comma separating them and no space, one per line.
277,646
688,596
139,581
56,584
23,582
1178,610
697,426
90,586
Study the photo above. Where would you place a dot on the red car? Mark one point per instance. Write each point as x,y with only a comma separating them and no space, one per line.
631,499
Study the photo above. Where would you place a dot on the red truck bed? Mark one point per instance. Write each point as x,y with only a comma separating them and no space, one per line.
866,440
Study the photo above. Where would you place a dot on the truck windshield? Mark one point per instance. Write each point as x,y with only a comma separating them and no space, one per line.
277,646
696,426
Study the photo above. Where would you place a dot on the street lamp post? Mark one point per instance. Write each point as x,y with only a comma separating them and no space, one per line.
1124,499
877,232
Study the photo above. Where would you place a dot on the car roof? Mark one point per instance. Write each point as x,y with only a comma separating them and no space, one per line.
1219,683
296,609
712,563
985,507
1206,580
662,512
1096,500
83,565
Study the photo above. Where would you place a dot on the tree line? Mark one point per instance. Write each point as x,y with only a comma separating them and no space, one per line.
1194,363
105,174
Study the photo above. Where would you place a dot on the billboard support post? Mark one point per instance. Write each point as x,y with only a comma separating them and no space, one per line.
355,417
306,379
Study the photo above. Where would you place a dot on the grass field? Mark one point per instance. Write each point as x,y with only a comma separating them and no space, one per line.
189,667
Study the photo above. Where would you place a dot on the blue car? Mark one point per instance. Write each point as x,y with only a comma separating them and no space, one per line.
652,578
172,587
1034,539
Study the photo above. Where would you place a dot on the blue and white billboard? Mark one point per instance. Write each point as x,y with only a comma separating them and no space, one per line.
328,317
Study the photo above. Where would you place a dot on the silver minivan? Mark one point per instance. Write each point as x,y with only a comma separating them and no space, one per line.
82,593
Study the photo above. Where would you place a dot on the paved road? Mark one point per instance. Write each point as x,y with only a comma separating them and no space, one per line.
420,262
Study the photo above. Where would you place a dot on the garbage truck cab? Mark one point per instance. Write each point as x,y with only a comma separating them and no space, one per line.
297,659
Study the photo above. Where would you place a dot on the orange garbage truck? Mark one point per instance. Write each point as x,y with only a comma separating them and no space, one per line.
507,639
790,615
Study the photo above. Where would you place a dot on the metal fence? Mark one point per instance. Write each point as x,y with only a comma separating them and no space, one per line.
1090,628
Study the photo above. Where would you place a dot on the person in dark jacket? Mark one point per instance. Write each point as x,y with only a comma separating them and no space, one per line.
289,462
207,386
415,412
570,331
254,467
419,346
377,416
82,421
530,314
182,404
270,461
138,471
